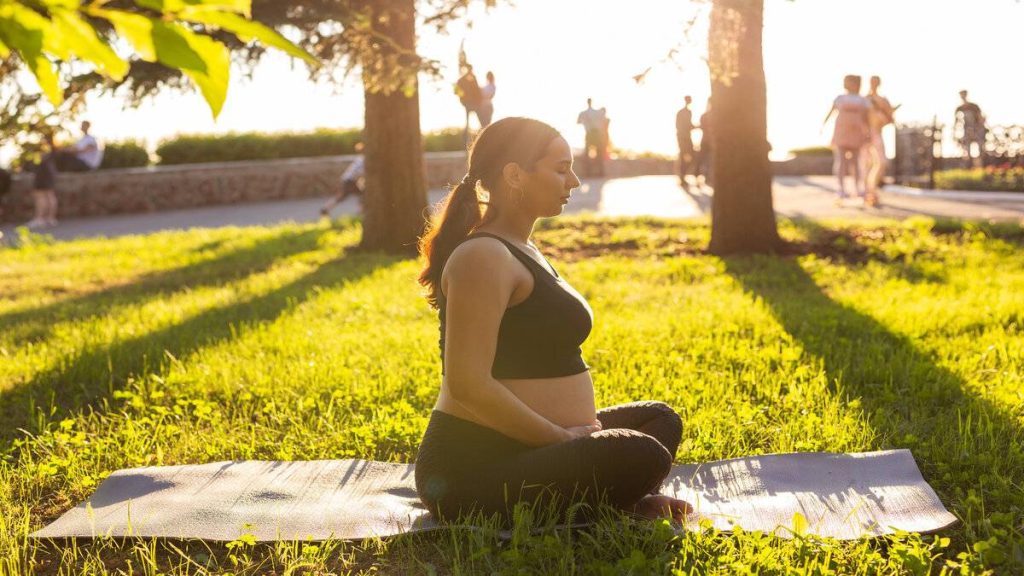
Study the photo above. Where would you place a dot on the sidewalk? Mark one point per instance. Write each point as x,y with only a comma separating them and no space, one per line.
794,196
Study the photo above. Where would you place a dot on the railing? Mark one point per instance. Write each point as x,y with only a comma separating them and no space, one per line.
919,151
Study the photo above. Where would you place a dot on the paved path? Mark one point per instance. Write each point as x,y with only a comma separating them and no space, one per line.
807,196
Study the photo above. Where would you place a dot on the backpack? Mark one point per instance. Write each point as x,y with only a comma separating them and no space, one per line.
469,91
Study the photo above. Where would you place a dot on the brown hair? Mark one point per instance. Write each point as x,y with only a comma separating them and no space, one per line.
520,140
851,82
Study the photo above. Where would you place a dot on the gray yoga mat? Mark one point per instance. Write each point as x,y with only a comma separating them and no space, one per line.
844,496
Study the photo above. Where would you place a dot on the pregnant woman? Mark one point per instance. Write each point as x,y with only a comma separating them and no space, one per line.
515,419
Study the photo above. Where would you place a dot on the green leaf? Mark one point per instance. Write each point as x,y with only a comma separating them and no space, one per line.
174,6
247,30
136,28
30,34
81,39
214,82
174,47
23,29
46,75
4,50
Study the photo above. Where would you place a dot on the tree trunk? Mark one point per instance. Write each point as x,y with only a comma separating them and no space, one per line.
742,216
396,197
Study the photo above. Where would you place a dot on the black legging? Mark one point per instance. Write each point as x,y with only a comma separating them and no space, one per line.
464,467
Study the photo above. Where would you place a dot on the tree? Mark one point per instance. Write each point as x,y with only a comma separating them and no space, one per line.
742,216
379,38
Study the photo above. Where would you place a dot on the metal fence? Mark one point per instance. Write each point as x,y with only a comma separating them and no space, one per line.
919,151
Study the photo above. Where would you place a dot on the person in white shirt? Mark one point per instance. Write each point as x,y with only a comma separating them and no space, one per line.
82,156
485,111
350,182
595,124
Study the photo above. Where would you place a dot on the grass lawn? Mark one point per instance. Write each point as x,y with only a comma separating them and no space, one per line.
280,343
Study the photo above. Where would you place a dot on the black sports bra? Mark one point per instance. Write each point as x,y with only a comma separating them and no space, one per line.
540,337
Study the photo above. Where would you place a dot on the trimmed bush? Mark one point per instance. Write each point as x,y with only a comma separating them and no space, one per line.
127,154
193,149
812,151
200,148
444,140
990,178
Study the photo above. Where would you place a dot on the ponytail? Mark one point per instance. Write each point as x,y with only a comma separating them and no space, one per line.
457,216
519,140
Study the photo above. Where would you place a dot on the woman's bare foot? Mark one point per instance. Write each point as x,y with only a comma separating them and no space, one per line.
661,506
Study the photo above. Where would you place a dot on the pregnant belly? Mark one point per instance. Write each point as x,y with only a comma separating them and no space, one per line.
565,400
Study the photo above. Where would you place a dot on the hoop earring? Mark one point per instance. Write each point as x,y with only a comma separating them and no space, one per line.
522,194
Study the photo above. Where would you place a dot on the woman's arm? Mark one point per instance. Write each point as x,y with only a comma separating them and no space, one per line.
829,115
479,280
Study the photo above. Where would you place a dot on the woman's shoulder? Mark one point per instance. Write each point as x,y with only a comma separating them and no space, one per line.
478,252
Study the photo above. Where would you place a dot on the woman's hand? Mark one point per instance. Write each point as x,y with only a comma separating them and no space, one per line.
575,432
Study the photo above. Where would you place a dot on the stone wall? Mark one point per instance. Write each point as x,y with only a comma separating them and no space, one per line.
131,190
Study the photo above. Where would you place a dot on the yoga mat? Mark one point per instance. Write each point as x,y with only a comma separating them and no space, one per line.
844,496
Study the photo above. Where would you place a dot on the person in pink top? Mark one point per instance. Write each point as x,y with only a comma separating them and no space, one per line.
850,135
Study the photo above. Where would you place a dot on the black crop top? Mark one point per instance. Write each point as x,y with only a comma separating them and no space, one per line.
540,337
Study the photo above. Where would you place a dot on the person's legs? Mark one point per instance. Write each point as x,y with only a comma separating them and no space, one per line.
651,417
602,151
484,115
839,169
874,154
45,177
465,467
617,466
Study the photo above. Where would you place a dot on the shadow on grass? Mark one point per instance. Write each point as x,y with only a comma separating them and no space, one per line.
35,324
90,378
962,442
855,247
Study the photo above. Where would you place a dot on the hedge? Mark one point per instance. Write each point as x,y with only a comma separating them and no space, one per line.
191,149
990,178
126,154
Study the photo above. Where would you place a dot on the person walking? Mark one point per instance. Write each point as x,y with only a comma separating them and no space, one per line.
969,125
880,115
351,182
850,135
468,90
485,112
595,126
705,156
684,137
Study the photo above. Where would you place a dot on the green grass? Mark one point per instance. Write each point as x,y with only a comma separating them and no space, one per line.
281,343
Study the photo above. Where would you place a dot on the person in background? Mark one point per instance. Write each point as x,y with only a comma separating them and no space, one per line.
880,115
969,124
684,128
850,135
82,156
486,109
707,127
595,126
351,182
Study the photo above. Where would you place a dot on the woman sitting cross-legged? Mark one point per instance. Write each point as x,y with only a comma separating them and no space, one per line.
515,420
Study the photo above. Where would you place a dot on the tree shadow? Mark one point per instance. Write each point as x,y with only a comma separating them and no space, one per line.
91,377
35,324
855,248
956,436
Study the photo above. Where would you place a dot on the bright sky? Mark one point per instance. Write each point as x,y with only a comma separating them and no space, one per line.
550,55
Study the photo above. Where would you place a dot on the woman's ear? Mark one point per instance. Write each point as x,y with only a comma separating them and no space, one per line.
512,173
